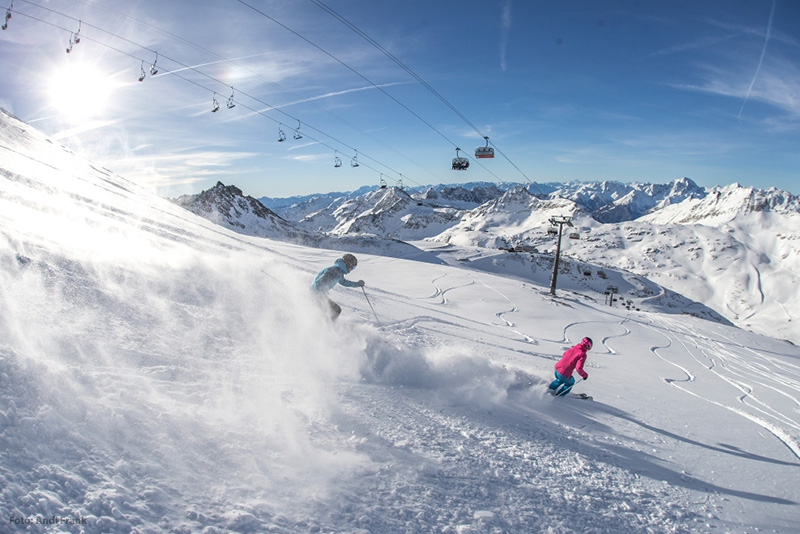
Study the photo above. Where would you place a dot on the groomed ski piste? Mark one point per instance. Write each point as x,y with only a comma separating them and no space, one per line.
160,374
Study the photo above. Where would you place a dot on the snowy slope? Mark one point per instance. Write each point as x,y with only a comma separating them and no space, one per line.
159,373
731,250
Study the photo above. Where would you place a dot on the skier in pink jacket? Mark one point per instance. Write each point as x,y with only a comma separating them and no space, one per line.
572,360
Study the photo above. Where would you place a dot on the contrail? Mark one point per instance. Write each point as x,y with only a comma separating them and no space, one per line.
337,93
761,59
192,67
504,33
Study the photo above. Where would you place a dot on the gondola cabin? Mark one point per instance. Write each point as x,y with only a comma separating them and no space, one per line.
460,164
484,152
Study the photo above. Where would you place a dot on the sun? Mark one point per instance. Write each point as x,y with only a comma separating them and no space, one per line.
79,91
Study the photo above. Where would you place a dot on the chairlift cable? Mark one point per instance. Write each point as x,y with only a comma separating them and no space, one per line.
195,69
83,36
187,67
319,141
348,67
354,71
101,43
399,63
254,73
88,25
414,75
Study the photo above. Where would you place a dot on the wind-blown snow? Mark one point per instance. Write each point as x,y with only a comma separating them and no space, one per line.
160,373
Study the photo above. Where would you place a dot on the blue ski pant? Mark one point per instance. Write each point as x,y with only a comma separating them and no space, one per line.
564,383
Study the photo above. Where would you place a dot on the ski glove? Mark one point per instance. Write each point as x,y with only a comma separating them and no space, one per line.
360,283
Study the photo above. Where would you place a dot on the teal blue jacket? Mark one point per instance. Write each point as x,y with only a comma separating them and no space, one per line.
330,276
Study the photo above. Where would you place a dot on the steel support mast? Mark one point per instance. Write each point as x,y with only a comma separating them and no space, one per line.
560,221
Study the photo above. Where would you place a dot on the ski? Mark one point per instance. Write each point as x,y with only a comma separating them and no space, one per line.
582,396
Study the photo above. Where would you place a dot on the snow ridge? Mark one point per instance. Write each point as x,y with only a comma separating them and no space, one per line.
227,206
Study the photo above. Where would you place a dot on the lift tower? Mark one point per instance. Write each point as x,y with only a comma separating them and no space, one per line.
559,221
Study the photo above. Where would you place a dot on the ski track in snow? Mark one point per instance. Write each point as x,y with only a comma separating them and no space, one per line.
438,292
726,369
500,314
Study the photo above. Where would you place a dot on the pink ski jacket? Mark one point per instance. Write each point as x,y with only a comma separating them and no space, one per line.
573,360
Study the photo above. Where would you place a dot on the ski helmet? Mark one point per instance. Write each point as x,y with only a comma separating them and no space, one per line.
350,261
587,341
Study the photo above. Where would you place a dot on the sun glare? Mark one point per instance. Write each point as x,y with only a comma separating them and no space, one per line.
80,91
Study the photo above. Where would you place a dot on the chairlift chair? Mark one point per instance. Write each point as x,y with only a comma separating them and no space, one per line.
74,38
281,134
484,151
354,161
297,134
460,163
214,104
337,161
552,230
8,15
231,104
383,182
574,235
153,69
142,74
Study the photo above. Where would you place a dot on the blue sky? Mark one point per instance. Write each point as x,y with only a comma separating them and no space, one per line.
646,91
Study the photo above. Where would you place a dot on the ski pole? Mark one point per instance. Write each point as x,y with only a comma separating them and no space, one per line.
370,306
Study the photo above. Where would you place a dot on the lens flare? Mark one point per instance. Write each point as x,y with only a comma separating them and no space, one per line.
80,91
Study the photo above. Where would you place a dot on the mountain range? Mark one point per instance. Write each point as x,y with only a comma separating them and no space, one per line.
733,252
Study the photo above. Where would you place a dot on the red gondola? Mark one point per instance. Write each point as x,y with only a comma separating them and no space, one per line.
484,151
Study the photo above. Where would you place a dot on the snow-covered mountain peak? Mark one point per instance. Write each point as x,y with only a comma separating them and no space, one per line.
516,196
469,196
612,201
682,188
521,204
388,199
228,206
429,194
365,214
724,204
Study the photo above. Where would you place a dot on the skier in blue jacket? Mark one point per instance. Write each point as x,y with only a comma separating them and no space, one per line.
328,277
